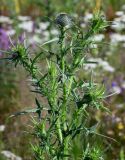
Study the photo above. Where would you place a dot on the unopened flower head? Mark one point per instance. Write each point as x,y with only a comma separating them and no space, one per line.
64,20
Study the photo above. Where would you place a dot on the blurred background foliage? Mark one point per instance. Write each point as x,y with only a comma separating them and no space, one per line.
14,93
13,7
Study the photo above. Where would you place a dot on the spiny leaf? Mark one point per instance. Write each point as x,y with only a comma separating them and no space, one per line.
24,112
39,108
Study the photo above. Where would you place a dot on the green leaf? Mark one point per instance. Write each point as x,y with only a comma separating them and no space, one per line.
39,108
52,40
24,112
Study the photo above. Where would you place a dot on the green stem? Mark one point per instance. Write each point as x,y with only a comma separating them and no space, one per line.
66,147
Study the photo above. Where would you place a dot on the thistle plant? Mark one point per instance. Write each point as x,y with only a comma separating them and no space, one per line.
63,119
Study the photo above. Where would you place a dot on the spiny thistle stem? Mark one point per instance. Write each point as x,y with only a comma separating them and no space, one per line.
68,98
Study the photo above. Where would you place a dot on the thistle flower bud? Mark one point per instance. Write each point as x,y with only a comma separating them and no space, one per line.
15,55
63,20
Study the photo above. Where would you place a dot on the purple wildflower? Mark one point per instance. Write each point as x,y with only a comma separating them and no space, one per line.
4,40
21,38
114,84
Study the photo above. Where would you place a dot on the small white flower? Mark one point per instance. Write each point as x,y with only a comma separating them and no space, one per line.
109,68
119,23
28,26
116,37
105,65
11,32
83,25
88,16
117,26
117,119
100,63
54,32
98,37
119,106
2,128
119,13
43,25
90,66
24,18
38,31
4,19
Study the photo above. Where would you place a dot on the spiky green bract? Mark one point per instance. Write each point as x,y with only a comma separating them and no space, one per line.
63,118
